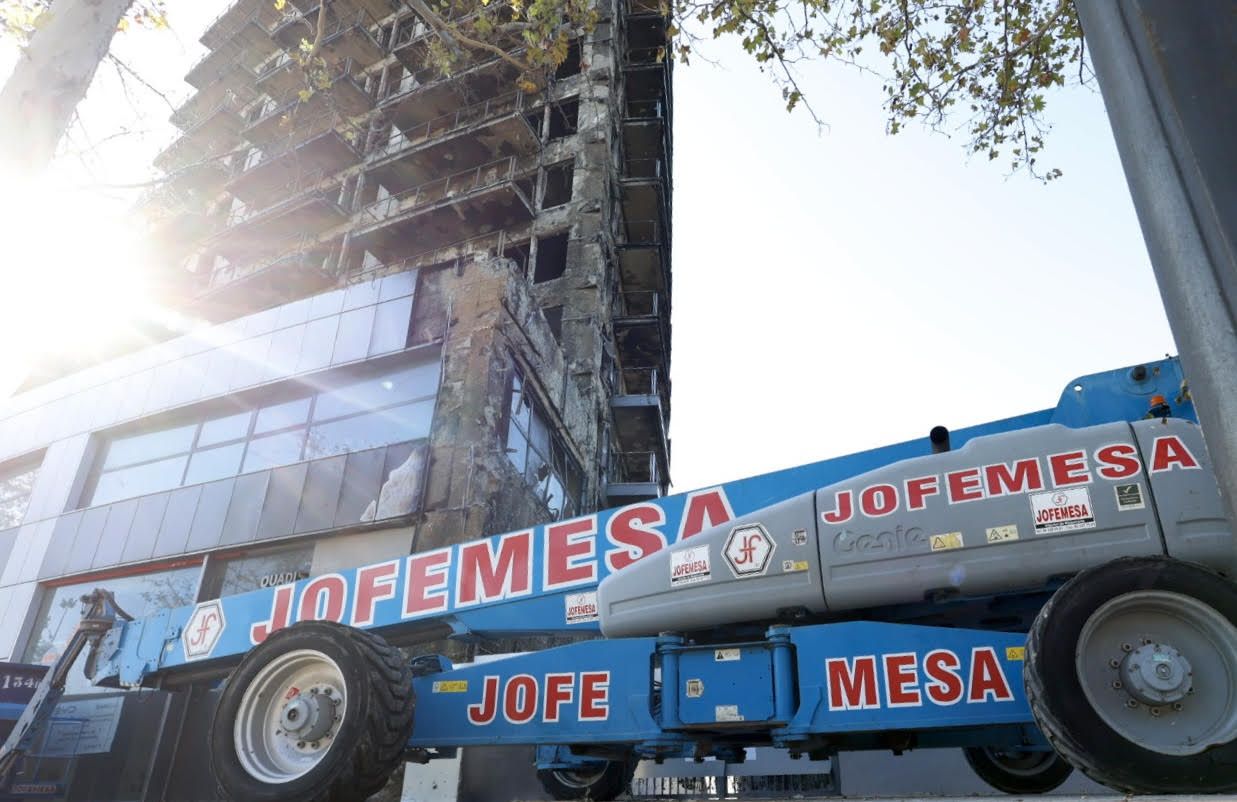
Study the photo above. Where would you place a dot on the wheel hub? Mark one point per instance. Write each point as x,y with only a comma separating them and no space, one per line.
1157,674
307,717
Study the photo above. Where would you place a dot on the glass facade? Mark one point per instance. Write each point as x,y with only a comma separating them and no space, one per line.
253,571
16,482
353,415
138,596
538,452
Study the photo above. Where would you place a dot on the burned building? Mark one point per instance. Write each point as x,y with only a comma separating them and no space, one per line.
434,307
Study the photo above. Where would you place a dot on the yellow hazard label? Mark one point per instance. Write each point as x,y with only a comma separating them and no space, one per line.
1002,534
451,686
1015,653
947,540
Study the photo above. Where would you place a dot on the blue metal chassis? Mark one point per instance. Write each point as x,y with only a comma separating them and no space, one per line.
776,687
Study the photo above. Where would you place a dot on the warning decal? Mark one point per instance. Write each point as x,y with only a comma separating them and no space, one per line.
1130,497
946,540
688,566
1062,511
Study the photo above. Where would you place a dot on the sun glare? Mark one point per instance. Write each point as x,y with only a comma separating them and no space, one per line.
76,278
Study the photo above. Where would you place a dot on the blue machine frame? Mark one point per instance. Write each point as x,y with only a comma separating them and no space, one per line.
797,687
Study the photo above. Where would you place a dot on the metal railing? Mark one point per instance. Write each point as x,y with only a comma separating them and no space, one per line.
650,168
288,195
645,110
361,20
429,77
487,176
638,303
510,103
642,232
193,121
232,272
641,56
340,72
483,244
638,381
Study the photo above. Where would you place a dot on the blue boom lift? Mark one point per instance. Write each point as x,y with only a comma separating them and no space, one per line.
880,600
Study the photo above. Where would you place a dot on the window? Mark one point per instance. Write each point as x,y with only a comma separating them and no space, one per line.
564,119
540,454
255,570
391,407
554,316
16,482
571,64
558,180
518,253
551,258
138,596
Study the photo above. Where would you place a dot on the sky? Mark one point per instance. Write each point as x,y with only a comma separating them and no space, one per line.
835,289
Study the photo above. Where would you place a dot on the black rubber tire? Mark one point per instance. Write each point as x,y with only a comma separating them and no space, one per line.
1046,775
1060,706
372,737
613,781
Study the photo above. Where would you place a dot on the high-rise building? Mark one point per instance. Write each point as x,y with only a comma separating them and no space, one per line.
436,307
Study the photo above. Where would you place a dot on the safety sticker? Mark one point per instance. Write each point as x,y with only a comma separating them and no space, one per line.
1015,653
799,537
451,686
793,566
689,566
727,655
581,607
1130,497
695,688
1002,534
727,713
946,540
1062,511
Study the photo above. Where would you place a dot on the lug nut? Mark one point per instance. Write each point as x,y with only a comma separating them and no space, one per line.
300,744
327,691
1155,711
315,743
1114,663
1125,647
1117,685
1131,704
1178,706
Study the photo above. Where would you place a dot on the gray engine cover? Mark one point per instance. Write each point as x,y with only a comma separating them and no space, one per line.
1005,513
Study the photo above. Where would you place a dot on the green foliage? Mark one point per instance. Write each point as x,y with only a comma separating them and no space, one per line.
19,19
984,67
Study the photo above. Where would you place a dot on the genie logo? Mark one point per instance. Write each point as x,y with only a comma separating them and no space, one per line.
203,629
748,550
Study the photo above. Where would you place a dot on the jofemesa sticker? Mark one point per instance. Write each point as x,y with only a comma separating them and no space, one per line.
688,566
1062,511
581,607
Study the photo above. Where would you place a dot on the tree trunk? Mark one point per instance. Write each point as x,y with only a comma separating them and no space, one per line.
50,79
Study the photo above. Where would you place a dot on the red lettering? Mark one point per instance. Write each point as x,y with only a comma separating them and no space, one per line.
902,680
425,591
1022,476
704,509
878,501
945,683
1069,468
570,548
559,691
323,599
631,531
987,677
918,489
520,699
1117,461
851,687
594,695
482,713
1169,452
964,486
843,508
281,615
374,583
486,575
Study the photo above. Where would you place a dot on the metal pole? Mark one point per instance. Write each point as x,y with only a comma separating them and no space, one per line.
1167,71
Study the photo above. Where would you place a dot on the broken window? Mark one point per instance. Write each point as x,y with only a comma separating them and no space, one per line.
551,258
564,119
537,451
558,180
571,64
518,253
554,316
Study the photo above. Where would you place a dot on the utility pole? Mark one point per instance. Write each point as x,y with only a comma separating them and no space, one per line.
1168,73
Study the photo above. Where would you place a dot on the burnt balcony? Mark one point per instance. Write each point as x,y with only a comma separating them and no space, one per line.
305,206
643,260
642,329
377,9
644,189
203,178
472,135
249,46
412,43
634,477
427,94
346,36
642,8
474,202
267,172
237,81
459,253
220,122
189,152
646,129
345,96
237,16
303,269
640,407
